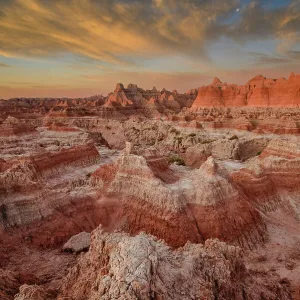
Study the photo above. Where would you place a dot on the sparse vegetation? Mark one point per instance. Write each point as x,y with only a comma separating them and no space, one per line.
173,130
258,153
177,160
234,137
3,212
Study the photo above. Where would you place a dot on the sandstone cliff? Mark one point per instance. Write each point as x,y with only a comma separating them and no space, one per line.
258,92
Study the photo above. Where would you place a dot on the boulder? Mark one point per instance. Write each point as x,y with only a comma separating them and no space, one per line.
78,243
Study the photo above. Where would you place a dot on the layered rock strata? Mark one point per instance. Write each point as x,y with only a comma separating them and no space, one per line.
142,267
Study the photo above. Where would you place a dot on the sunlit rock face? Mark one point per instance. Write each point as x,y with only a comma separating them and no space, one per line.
257,92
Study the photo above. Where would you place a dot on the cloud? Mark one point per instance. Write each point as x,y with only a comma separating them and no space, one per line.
294,55
2,65
258,23
264,59
109,31
117,32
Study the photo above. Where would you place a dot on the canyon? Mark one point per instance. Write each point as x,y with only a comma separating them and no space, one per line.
148,194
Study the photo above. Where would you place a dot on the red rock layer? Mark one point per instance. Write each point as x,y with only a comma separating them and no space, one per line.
143,187
67,156
12,126
257,92
276,174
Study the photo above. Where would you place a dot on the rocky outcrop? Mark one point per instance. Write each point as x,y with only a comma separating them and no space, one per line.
32,292
12,126
223,149
77,243
198,206
187,176
153,101
8,284
257,92
269,178
141,267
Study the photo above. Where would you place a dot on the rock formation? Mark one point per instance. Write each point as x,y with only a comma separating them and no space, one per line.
258,92
182,199
143,267
201,205
77,243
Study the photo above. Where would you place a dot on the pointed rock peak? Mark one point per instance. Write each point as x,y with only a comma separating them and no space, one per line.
292,76
171,98
119,87
152,100
175,92
256,79
210,166
216,81
259,77
154,89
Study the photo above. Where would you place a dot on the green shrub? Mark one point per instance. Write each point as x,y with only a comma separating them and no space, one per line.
177,160
258,153
178,138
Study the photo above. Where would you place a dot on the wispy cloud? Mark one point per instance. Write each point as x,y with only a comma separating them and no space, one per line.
112,31
265,59
2,65
294,54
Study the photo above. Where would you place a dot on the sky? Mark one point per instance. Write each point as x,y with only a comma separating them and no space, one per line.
78,48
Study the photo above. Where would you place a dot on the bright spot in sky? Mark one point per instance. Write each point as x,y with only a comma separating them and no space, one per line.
237,10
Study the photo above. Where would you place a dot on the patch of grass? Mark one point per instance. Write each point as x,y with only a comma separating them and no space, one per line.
177,160
192,134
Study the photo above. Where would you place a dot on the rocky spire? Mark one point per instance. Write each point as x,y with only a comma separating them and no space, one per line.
216,81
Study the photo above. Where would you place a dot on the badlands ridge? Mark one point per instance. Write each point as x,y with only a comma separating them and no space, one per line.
148,194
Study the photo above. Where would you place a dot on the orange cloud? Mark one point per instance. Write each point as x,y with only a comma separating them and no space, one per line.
107,31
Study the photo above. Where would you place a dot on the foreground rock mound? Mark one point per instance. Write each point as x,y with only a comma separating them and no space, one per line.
32,292
78,242
122,267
